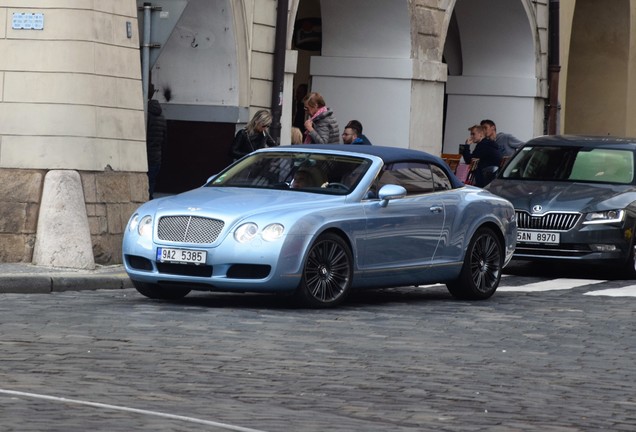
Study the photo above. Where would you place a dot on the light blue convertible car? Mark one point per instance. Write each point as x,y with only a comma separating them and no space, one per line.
318,221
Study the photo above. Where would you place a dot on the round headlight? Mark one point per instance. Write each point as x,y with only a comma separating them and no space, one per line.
145,226
273,232
245,232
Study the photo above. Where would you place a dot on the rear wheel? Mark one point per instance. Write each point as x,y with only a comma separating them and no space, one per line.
155,291
481,272
327,273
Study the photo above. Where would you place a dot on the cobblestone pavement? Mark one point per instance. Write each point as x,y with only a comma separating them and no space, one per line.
402,359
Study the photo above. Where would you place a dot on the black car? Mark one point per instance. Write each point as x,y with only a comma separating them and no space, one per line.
574,199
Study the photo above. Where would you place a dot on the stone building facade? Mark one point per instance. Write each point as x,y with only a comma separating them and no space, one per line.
70,99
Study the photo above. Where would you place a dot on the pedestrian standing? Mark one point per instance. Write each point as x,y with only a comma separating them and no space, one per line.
254,136
322,126
296,135
156,142
355,124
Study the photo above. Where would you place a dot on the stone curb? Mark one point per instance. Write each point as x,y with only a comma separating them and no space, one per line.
35,280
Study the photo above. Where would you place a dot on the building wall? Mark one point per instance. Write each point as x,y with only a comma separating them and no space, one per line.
70,99
198,64
597,81
600,69
79,78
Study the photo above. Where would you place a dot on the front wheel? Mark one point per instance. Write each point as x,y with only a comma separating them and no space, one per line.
481,272
629,267
327,273
155,291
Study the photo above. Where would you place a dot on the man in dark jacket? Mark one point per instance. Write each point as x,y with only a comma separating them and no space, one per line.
355,124
508,144
156,141
488,153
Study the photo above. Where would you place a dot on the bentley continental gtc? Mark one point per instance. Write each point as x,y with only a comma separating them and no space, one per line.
318,221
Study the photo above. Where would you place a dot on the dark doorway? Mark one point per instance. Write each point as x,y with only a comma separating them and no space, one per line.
196,150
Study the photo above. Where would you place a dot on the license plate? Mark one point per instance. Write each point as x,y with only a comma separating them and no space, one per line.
187,256
538,237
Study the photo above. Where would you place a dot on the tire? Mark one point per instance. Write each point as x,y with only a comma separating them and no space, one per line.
327,273
481,271
629,267
155,291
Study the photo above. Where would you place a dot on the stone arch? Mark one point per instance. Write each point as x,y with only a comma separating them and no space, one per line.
364,70
374,68
496,62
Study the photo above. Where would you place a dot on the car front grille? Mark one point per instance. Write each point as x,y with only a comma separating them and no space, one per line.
548,221
189,229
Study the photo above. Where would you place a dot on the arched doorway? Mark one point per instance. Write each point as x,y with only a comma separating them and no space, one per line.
368,70
492,55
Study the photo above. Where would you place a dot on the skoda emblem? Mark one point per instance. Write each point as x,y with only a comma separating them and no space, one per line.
537,209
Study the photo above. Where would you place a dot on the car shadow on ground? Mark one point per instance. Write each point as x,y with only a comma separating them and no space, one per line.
357,298
549,270
386,296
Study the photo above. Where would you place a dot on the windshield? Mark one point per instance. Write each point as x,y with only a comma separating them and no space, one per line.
301,171
572,164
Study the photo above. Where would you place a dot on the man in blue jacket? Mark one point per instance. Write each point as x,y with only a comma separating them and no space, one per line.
360,138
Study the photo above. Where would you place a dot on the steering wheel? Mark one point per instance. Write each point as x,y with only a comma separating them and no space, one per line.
338,186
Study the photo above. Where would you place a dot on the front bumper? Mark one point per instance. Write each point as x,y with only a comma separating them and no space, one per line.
255,267
599,243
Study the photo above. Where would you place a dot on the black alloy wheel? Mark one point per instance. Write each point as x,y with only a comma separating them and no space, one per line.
327,273
481,271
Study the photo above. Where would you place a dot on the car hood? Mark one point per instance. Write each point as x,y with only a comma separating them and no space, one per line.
563,196
236,203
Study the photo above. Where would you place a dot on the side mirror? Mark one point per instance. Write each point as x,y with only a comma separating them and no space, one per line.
209,179
390,192
490,173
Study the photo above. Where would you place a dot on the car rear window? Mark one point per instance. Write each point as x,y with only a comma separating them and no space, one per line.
602,165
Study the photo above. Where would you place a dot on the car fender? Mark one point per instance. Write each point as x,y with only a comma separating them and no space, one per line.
475,214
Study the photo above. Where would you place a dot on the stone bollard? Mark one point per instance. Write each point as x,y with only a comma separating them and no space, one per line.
63,236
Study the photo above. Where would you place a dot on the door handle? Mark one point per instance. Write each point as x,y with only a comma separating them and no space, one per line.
436,209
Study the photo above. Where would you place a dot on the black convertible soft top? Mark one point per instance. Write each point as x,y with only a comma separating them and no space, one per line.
387,154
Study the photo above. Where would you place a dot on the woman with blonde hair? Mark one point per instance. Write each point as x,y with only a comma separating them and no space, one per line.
296,136
322,126
254,136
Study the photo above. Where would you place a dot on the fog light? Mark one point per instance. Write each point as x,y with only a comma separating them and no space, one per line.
603,248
